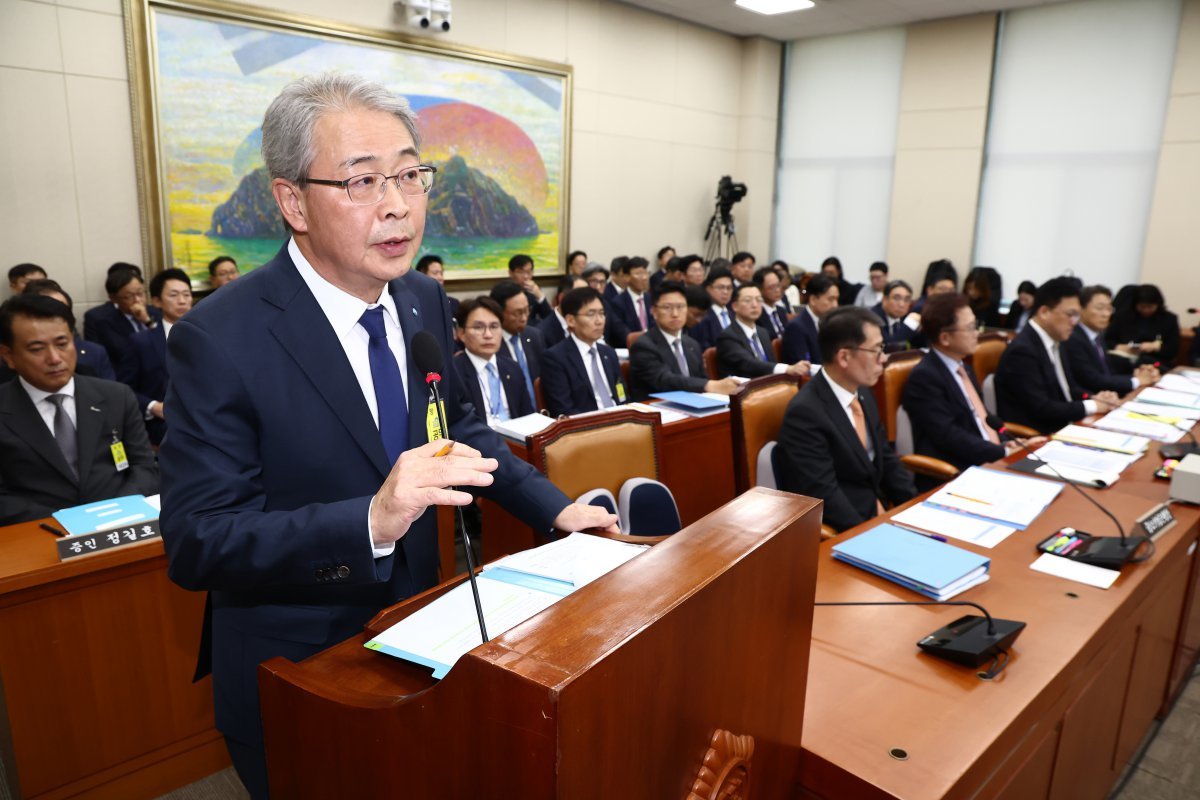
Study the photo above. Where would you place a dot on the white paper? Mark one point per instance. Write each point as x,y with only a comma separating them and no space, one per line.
1139,407
155,500
577,559
1126,422
520,427
1103,439
954,526
1179,383
1061,454
1002,496
1099,577
668,414
1165,397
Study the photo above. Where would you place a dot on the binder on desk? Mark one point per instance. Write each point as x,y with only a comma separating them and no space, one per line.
937,570
694,404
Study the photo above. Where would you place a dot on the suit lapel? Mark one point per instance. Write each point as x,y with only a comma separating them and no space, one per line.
659,340
25,422
582,379
840,421
89,422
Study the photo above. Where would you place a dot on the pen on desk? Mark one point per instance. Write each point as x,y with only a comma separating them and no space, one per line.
51,529
935,536
972,499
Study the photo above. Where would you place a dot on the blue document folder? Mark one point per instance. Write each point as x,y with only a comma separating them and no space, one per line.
927,566
694,401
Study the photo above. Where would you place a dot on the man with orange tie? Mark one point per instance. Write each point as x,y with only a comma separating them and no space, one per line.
832,444
942,396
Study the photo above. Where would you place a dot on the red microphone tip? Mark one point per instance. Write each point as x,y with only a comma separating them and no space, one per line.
433,377
1086,395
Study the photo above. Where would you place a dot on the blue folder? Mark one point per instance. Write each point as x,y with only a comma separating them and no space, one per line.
927,566
690,400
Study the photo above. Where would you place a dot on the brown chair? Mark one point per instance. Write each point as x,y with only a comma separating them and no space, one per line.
889,390
755,415
633,337
777,347
538,399
625,371
984,362
710,363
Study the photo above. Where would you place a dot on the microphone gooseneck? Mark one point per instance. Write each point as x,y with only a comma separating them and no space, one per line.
991,625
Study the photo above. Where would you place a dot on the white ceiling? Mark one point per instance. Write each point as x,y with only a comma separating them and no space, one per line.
827,17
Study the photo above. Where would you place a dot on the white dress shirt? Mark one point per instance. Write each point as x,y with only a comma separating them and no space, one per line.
481,375
46,409
1053,350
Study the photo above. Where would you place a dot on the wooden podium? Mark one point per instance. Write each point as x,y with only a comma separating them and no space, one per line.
677,674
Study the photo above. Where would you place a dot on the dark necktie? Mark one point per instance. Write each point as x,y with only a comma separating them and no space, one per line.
757,346
515,340
599,383
64,432
1100,352
389,387
680,357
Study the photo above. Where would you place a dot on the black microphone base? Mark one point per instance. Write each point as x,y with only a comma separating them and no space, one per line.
1109,552
967,641
1177,450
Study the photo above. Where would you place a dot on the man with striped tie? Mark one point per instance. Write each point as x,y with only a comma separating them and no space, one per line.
523,343
744,348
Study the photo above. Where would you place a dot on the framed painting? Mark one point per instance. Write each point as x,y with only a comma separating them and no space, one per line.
497,128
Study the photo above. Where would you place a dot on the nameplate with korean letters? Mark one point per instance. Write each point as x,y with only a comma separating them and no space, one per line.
1156,521
85,544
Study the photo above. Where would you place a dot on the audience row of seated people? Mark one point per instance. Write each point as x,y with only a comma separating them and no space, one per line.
1065,362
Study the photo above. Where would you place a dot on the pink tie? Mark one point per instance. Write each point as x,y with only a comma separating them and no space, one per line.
642,311
977,404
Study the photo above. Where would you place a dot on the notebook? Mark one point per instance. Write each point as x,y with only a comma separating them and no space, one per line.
932,568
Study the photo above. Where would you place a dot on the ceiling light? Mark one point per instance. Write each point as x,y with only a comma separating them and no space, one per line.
774,6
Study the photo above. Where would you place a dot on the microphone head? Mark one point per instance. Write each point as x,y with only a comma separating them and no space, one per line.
995,423
427,353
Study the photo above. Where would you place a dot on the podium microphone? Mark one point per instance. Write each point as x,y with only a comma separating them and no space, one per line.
969,640
427,355
1099,551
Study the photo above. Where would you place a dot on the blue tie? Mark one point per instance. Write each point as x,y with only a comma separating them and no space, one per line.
757,345
724,318
389,388
494,393
516,346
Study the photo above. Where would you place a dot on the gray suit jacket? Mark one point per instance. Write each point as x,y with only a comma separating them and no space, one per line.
35,480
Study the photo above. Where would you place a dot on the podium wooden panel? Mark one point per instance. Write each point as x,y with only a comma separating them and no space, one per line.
615,691
96,662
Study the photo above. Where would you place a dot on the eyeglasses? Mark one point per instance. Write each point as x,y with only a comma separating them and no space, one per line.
481,329
591,314
877,352
131,295
671,308
368,189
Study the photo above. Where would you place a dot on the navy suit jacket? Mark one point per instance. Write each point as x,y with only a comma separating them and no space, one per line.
654,368
623,309
736,356
551,330
144,369
512,383
800,340
898,334
708,329
773,321
1027,390
567,385
820,456
35,480
1091,369
93,356
107,326
943,422
270,466
532,344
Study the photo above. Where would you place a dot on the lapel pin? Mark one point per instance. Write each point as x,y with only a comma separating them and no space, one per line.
415,314
93,408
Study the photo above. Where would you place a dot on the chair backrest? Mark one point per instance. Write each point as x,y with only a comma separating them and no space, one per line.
647,508
756,413
765,471
539,402
987,356
625,372
710,363
777,347
633,337
989,393
598,451
904,437
890,387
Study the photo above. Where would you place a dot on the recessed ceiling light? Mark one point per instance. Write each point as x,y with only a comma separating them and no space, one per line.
774,6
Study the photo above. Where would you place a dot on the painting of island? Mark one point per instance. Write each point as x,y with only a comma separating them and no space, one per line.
495,131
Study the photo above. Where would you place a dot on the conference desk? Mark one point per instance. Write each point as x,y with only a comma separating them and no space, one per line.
697,466
1088,675
96,661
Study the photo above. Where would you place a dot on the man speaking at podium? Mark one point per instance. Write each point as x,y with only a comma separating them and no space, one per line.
298,476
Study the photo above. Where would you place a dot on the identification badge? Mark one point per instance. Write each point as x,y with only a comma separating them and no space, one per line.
620,392
118,454
432,426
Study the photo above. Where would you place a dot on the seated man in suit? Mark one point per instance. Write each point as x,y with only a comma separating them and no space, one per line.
492,381
554,327
632,307
222,270
893,311
144,368
800,336
57,428
1085,350
92,358
617,279
664,360
582,373
522,342
1034,383
719,285
774,311
744,348
520,271
741,266
942,397
125,314
832,444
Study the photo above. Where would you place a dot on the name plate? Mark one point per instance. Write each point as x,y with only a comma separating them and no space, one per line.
1156,521
84,544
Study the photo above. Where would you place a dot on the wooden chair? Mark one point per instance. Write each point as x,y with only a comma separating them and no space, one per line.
633,337
777,347
539,401
625,371
984,362
710,363
599,451
889,390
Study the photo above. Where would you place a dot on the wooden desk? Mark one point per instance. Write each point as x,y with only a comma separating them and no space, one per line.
697,467
1087,676
96,662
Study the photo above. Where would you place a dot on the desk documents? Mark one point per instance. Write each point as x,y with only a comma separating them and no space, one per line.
936,570
981,532
1075,571
1166,397
511,591
1084,465
1103,440
998,496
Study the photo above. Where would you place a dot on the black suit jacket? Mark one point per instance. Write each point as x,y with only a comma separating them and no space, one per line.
551,330
654,368
106,325
567,385
625,312
820,456
943,422
534,347
144,369
512,383
800,340
1027,390
735,355
1091,369
893,333
708,329
35,480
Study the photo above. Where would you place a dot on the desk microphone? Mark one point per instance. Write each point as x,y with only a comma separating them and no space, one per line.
969,640
1101,551
427,355
1177,450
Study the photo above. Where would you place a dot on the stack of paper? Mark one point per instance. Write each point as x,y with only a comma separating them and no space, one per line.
1078,464
520,427
943,522
1179,383
511,591
1158,427
666,413
936,570
1103,439
999,496
1167,397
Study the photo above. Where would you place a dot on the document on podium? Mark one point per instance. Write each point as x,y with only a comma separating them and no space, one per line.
511,591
